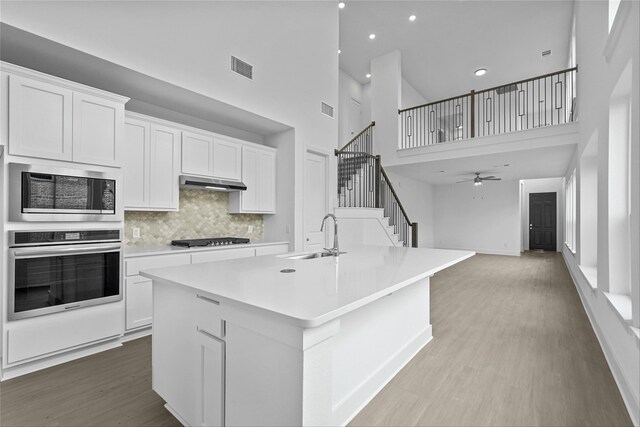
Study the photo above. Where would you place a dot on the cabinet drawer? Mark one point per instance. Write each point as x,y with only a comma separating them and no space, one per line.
222,255
207,315
134,265
35,338
272,250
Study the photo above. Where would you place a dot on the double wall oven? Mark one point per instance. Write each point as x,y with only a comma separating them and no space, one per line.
54,269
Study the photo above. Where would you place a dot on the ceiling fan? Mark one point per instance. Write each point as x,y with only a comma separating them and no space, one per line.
477,181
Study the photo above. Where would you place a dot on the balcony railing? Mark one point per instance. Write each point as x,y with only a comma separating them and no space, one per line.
526,104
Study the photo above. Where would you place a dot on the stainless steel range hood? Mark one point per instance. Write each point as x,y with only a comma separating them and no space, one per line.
211,184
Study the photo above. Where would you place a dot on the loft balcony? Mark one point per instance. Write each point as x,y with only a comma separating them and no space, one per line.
538,102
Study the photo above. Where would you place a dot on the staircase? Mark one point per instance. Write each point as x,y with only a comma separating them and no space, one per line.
364,188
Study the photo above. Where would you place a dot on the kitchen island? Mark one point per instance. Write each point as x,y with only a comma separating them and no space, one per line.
272,340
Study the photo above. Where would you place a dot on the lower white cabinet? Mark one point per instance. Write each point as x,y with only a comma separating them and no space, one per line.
139,290
210,392
139,307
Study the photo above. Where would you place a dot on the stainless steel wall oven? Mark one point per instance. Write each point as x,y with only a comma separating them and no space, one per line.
47,193
53,271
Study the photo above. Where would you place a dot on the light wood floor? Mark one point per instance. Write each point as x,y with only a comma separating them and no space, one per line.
512,346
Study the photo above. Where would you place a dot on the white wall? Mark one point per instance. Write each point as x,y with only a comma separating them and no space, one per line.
418,200
191,47
602,60
410,97
545,185
484,219
349,89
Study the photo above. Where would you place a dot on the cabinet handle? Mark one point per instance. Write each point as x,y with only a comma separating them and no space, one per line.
207,299
208,334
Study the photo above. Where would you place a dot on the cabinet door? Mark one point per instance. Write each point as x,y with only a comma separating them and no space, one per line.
227,160
40,118
197,154
249,197
135,167
97,130
211,399
266,198
163,171
139,302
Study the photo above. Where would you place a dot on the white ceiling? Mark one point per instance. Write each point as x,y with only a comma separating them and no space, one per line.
544,162
449,40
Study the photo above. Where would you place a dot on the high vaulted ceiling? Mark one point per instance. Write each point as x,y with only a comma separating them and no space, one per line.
449,40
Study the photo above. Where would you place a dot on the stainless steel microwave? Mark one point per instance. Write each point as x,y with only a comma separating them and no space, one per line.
47,193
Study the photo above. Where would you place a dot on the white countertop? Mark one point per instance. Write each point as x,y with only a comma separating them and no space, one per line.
131,252
320,289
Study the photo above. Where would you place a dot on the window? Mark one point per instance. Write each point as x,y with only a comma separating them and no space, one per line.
570,212
589,210
613,10
620,185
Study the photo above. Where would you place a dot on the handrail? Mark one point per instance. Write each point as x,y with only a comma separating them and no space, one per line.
359,153
544,76
428,104
395,195
356,137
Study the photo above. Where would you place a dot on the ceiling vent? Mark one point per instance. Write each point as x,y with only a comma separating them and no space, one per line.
506,89
546,53
242,68
327,110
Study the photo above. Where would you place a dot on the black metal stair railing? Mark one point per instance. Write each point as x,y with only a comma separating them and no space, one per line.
544,100
362,182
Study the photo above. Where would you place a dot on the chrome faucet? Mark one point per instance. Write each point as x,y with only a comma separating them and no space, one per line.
335,251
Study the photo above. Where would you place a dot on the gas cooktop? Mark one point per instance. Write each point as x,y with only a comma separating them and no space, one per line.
214,241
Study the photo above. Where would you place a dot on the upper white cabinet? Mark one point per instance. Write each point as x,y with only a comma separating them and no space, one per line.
227,160
97,130
206,155
51,118
197,154
151,165
39,119
259,175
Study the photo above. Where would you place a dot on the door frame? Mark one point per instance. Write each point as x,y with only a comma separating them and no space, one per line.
327,177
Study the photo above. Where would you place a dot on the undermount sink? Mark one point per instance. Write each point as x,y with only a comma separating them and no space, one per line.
311,255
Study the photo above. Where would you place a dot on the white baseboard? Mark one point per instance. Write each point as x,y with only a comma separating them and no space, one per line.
627,394
483,251
345,410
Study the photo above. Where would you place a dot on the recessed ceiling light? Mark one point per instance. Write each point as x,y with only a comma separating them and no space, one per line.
339,51
480,72
372,36
368,76
412,18
341,5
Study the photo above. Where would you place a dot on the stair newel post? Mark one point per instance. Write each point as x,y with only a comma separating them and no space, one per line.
378,180
472,112
414,234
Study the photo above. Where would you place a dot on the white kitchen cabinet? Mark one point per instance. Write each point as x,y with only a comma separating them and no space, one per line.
227,160
197,154
135,165
39,119
98,126
139,307
151,165
259,175
56,119
212,375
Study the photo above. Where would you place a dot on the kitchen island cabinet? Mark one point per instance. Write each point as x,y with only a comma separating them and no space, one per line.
250,342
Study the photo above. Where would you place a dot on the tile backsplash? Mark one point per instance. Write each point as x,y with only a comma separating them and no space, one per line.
202,214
